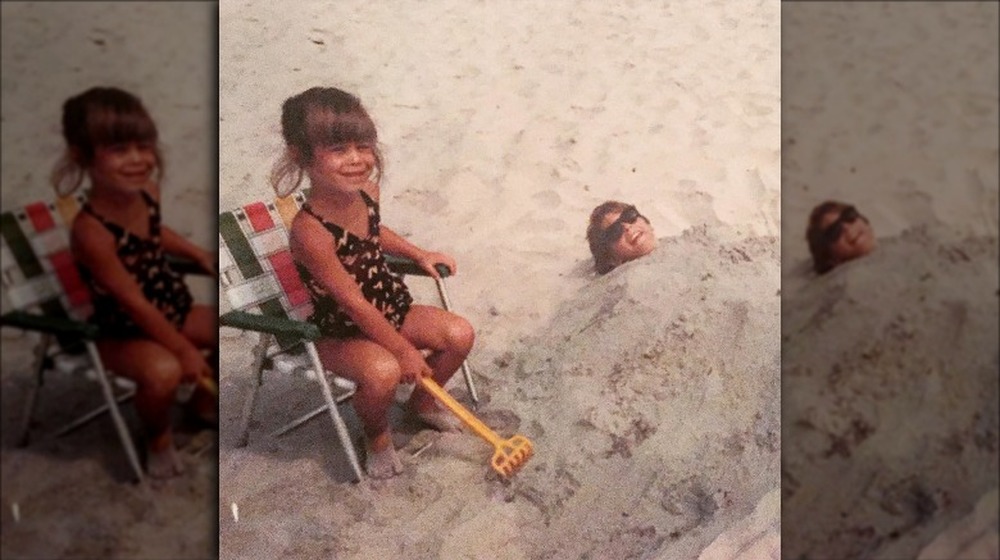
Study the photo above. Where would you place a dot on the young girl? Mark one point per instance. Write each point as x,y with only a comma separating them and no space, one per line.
150,331
618,233
373,334
837,233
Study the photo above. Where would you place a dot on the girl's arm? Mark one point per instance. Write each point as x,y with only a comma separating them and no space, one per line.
313,246
94,247
176,244
395,244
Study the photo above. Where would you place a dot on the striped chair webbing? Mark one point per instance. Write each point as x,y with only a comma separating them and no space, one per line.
38,269
256,270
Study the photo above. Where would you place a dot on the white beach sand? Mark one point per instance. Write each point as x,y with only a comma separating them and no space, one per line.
650,439
890,364
503,125
900,118
889,429
72,494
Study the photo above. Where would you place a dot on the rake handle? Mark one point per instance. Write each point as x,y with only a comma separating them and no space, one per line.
482,430
208,384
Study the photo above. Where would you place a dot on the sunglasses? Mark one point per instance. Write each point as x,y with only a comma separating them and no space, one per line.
614,232
847,216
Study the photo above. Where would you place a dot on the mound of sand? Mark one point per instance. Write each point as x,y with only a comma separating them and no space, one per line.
651,399
890,395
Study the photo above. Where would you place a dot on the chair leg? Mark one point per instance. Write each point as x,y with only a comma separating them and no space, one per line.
124,397
466,372
259,355
116,416
331,405
307,417
41,352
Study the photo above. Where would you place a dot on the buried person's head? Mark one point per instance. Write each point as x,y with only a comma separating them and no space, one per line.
618,233
837,233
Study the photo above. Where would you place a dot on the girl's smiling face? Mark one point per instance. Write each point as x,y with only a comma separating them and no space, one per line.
848,233
628,234
344,167
124,167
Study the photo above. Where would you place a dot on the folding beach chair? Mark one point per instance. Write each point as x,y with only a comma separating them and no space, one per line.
261,284
44,294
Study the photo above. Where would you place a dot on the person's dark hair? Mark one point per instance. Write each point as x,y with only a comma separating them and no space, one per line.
819,246
100,116
603,259
320,116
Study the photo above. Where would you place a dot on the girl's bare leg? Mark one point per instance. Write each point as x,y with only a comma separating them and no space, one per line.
157,373
376,373
449,338
202,328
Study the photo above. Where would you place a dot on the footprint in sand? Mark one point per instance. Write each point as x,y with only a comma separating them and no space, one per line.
502,421
418,487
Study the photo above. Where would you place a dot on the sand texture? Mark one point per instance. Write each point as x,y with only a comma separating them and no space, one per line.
890,399
890,365
650,398
72,494
654,413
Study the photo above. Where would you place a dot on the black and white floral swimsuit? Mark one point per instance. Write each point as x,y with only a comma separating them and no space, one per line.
146,263
364,261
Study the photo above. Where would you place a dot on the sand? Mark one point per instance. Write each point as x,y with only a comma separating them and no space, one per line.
72,494
650,441
503,125
891,107
890,396
886,363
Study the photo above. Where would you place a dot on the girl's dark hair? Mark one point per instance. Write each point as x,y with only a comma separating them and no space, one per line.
819,247
100,116
603,258
320,117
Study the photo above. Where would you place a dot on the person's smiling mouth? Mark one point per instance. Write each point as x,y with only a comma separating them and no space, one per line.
136,175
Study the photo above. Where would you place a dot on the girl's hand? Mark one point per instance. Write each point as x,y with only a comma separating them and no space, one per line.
428,259
413,365
194,366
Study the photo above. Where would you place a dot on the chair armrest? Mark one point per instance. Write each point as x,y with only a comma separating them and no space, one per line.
185,266
403,265
52,325
272,325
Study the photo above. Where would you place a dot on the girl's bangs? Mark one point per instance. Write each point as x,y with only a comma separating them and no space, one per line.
328,128
121,126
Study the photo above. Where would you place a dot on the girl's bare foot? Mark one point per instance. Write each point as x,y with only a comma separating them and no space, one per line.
162,461
381,460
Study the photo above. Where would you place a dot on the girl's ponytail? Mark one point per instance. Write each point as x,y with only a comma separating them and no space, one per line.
67,176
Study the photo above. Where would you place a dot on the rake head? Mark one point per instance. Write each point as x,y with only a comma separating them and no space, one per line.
511,455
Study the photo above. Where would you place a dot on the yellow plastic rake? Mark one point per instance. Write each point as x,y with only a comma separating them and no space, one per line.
209,384
509,455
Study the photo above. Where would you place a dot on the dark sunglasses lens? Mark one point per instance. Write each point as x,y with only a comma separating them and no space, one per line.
847,216
629,215
832,233
614,232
